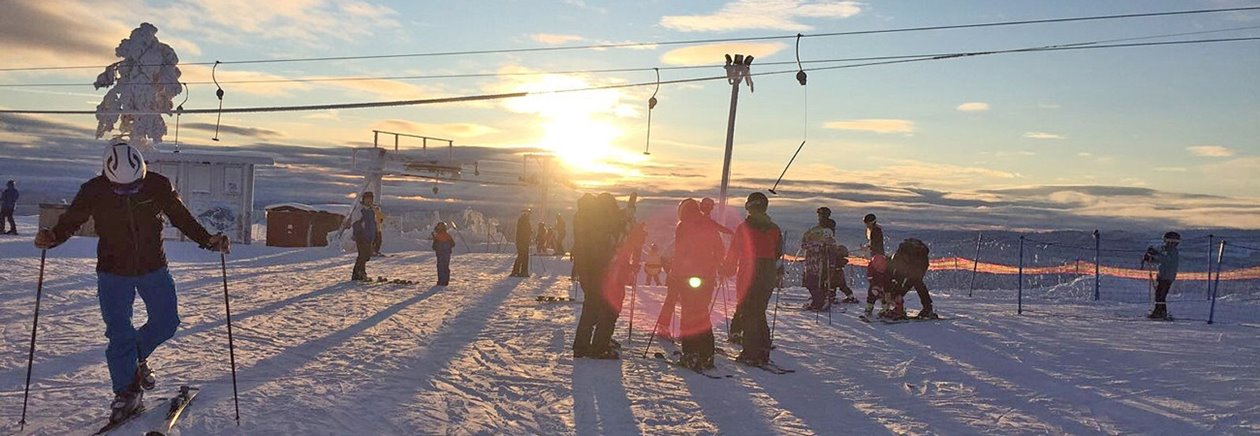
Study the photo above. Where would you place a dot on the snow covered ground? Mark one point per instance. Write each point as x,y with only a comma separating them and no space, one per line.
319,355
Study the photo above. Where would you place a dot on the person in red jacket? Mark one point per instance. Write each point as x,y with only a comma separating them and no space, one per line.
754,257
698,250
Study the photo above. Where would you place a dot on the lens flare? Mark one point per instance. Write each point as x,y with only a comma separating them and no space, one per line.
694,282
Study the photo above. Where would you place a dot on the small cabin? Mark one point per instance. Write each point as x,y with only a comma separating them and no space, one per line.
217,187
301,225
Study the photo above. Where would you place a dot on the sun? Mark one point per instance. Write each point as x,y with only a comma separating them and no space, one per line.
579,128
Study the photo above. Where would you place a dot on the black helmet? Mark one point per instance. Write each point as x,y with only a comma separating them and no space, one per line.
824,211
757,202
869,218
1172,237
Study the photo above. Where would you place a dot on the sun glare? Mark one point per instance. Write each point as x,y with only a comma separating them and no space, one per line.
578,127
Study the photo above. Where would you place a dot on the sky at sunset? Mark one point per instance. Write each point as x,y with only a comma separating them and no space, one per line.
1165,132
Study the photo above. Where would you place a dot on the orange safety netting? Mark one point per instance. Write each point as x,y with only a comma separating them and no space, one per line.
1076,267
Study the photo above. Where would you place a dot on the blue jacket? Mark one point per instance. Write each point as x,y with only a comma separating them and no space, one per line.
365,226
8,200
1168,260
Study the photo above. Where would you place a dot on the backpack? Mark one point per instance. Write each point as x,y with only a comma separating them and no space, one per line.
910,261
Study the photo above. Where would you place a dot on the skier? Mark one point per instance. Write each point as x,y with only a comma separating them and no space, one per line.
540,239
594,240
818,243
875,245
666,318
839,259
1168,260
443,245
906,269
8,202
521,267
753,258
652,267
364,236
559,235
699,250
706,208
874,236
127,203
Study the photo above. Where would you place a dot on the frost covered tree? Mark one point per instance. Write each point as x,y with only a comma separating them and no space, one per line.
144,83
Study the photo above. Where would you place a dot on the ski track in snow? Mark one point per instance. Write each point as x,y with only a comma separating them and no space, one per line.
317,354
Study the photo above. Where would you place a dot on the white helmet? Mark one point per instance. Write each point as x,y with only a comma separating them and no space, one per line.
123,164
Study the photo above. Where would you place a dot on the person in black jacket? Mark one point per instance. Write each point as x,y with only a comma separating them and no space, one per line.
364,234
8,202
127,204
523,237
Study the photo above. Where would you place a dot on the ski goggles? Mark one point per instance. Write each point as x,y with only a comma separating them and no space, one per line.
132,188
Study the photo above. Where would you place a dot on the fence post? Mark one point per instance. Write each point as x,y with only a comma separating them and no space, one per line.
1019,308
1217,285
1208,282
1097,262
975,265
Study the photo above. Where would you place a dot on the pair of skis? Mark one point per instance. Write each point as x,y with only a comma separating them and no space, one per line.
770,367
175,409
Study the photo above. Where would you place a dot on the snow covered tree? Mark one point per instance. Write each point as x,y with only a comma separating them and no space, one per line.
144,85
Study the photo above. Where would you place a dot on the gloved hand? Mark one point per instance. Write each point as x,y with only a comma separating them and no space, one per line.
220,243
45,239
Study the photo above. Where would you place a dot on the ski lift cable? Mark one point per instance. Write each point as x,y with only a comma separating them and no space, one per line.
484,97
605,46
798,62
801,77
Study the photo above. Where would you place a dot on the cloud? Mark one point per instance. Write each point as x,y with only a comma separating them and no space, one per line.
309,22
454,131
1210,151
715,53
252,132
877,125
38,33
1048,105
974,106
201,73
762,15
1085,154
1042,135
554,39
1171,169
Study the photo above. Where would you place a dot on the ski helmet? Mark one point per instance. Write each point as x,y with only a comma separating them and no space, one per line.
707,205
757,202
123,164
687,208
869,218
1172,237
824,212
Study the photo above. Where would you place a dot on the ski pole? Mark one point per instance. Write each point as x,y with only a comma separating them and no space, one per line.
634,290
30,358
775,319
227,306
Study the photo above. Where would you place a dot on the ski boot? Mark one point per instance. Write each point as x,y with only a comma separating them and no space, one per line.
849,300
126,404
927,313
145,376
605,354
870,309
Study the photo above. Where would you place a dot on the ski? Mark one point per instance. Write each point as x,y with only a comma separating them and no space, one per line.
551,299
678,363
176,410
141,411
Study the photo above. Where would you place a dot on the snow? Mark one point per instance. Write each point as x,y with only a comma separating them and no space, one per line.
318,355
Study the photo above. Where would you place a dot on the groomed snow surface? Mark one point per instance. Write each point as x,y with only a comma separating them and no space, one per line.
317,354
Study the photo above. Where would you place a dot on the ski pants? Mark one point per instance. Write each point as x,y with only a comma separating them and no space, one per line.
443,269
594,329
695,326
1161,294
902,287
818,292
360,263
752,310
6,215
127,344
520,268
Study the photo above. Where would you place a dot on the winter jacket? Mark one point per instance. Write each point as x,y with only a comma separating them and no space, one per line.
365,226
755,249
129,227
875,235
8,200
1168,259
697,250
443,243
523,233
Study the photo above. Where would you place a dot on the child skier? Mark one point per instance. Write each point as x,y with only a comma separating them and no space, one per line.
8,202
127,204
652,266
1168,260
443,245
839,259
364,235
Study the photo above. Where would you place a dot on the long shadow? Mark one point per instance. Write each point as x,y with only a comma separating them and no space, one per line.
802,398
728,407
600,403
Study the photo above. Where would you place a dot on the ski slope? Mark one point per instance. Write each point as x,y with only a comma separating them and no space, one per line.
319,355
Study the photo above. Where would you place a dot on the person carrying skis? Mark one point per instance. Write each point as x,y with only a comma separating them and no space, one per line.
520,268
443,246
698,248
1169,260
753,258
127,203
364,235
8,202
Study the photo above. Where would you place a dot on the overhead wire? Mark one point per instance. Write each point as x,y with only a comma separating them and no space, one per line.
484,97
605,46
